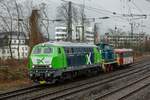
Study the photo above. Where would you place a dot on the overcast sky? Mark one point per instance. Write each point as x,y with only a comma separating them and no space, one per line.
100,8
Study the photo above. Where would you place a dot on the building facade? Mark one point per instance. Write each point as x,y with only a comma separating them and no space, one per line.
89,35
61,34
12,43
125,40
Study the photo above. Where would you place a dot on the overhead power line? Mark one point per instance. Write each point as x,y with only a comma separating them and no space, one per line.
86,7
139,9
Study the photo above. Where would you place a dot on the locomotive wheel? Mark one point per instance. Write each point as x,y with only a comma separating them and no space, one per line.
104,68
112,68
108,68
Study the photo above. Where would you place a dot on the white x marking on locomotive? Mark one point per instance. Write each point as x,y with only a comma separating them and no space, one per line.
88,58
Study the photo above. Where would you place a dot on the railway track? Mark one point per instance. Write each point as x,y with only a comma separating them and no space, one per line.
73,90
127,90
142,60
135,91
21,91
29,90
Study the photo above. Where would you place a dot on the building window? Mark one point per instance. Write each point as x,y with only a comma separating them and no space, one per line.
13,51
14,41
22,41
26,48
26,54
22,54
3,51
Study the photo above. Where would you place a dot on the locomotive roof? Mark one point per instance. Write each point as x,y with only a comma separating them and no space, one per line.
68,44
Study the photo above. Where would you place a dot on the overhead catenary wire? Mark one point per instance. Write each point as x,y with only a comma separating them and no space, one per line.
139,9
128,6
106,12
80,5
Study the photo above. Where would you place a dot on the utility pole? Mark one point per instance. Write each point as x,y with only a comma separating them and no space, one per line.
131,28
83,38
69,26
131,38
95,34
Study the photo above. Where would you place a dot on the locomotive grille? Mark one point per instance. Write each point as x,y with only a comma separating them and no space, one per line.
42,66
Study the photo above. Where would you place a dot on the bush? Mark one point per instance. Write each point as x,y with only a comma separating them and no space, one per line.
13,69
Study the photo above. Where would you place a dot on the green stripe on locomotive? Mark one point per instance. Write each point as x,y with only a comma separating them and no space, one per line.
55,59
98,57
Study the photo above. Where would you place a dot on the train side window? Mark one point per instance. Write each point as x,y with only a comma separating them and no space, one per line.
72,50
121,55
69,50
78,50
82,50
97,49
91,50
125,54
87,50
66,50
59,51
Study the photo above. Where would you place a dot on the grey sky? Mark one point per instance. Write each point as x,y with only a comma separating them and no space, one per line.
136,6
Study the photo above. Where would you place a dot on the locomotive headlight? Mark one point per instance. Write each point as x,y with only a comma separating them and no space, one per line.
50,66
31,75
33,66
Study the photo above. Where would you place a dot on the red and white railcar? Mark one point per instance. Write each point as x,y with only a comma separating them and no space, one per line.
124,56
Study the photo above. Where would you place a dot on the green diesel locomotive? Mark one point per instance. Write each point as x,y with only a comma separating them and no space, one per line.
53,61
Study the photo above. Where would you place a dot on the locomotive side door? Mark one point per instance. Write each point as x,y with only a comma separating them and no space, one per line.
61,55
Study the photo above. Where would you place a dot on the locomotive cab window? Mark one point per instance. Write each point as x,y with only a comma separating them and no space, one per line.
37,50
47,50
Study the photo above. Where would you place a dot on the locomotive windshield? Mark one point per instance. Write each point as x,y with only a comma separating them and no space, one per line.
108,47
47,50
37,50
42,50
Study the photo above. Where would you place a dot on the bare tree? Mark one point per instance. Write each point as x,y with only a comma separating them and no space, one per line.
18,32
14,19
69,15
45,23
7,26
62,13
